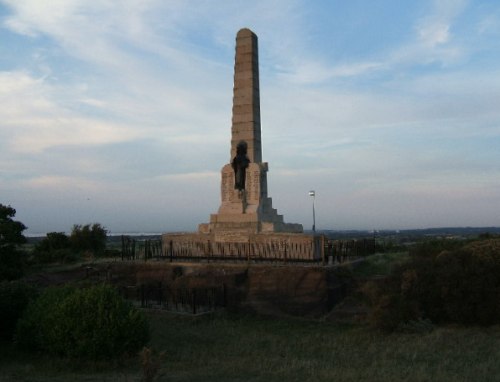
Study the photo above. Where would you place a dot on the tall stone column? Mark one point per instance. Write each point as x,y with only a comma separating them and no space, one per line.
246,98
245,206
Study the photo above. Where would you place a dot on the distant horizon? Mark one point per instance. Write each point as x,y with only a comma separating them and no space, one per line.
144,233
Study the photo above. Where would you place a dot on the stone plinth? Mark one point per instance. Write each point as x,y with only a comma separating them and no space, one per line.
284,246
246,211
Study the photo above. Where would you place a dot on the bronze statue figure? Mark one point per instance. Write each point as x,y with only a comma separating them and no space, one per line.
240,164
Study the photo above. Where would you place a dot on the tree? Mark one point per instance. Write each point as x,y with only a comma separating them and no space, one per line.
11,236
53,242
88,238
55,247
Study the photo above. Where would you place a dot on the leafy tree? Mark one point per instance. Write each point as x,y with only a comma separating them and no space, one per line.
11,236
88,238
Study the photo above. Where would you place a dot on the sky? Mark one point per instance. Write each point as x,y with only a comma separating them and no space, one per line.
119,112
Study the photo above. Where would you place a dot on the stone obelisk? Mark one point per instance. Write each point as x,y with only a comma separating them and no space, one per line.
246,97
245,207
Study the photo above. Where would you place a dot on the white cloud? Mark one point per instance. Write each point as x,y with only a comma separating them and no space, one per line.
434,38
433,34
434,29
314,72
61,183
33,121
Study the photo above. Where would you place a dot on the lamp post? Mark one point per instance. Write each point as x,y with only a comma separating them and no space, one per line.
312,194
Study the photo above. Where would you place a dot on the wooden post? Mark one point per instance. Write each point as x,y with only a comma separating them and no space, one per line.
160,294
194,301
322,247
123,246
284,252
224,295
209,247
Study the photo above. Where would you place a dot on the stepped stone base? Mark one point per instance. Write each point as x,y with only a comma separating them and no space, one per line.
249,211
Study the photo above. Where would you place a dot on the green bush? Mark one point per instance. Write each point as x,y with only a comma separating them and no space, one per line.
14,297
40,317
92,323
461,285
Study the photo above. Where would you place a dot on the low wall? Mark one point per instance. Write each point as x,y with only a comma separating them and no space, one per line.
275,246
307,291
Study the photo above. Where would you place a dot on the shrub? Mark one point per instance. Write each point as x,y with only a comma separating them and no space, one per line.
14,297
40,316
432,248
93,323
461,285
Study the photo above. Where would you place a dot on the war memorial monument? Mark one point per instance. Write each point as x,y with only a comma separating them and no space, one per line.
246,224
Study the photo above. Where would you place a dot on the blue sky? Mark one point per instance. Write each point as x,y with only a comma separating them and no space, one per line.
119,112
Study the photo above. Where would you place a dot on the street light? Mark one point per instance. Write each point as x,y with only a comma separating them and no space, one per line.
312,194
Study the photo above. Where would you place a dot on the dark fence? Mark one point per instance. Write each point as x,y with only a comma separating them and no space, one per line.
133,249
272,251
181,300
318,250
128,248
340,251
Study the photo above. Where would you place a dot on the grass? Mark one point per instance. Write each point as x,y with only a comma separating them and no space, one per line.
264,349
229,347
18,366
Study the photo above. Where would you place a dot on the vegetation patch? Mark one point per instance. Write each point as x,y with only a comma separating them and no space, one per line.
14,297
380,264
88,240
227,347
444,282
91,323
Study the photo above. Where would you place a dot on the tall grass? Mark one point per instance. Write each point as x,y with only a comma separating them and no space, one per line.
265,349
228,347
